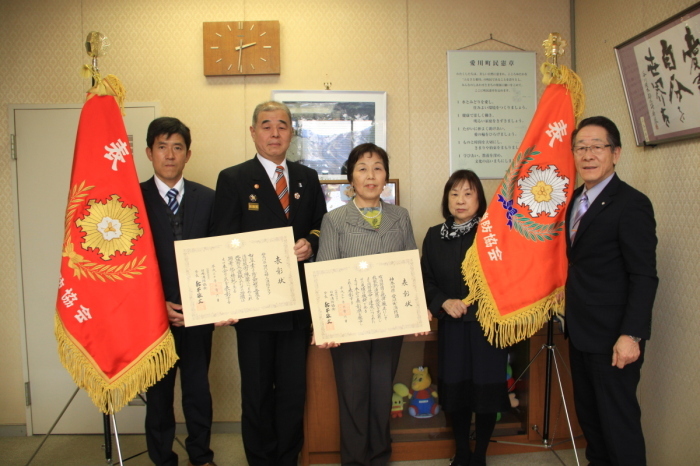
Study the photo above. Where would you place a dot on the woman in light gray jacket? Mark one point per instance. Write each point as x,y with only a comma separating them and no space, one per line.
364,370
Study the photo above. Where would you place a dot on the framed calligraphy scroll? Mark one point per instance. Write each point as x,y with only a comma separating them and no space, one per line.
661,78
340,192
238,276
367,297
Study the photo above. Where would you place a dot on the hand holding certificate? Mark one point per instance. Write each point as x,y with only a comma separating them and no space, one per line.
367,297
238,276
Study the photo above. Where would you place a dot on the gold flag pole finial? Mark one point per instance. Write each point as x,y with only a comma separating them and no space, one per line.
97,45
553,73
554,46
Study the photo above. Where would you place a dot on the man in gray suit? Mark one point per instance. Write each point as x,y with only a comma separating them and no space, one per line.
610,293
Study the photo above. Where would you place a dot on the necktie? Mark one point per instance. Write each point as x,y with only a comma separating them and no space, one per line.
172,200
281,188
582,208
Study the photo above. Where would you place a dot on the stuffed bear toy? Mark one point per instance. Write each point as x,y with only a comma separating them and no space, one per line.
423,399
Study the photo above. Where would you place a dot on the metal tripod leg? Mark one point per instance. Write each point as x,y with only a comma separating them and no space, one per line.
550,347
545,435
116,438
140,395
107,434
54,425
566,409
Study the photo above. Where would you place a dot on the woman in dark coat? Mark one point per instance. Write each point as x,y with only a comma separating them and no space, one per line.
472,373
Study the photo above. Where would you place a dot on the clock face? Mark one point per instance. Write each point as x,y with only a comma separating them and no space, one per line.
235,48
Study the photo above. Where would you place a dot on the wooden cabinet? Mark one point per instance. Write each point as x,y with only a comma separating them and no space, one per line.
419,439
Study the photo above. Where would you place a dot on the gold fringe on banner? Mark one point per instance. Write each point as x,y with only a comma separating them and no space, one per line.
110,85
503,331
560,74
112,395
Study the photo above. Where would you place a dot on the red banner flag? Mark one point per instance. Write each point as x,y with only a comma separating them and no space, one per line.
516,268
111,325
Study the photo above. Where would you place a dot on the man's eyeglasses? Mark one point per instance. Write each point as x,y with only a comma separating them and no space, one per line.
595,150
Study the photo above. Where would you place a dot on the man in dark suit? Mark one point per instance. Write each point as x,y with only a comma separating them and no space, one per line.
267,192
610,293
178,209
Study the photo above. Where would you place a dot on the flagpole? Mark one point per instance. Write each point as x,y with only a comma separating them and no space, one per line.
107,433
558,75
96,45
554,46
548,382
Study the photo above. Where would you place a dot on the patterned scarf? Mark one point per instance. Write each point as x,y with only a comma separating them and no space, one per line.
372,215
450,230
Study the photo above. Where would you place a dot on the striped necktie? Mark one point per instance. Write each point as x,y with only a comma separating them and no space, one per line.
282,190
582,208
172,200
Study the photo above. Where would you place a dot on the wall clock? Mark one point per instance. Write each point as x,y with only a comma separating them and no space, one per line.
238,48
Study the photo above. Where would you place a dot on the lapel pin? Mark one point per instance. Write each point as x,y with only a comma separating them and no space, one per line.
256,186
252,198
300,185
297,195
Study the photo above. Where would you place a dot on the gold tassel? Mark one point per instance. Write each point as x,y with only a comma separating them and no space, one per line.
110,85
117,90
503,331
112,395
554,74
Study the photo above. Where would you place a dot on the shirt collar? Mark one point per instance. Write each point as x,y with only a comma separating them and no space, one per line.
164,188
271,166
597,189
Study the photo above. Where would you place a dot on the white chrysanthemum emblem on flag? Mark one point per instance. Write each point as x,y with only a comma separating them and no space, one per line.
543,191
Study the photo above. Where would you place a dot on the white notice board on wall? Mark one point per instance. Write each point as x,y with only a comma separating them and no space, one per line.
492,98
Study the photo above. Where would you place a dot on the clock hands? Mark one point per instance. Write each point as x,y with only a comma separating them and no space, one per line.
226,39
245,46
240,52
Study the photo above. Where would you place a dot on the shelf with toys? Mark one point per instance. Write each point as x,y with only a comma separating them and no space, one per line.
414,379
429,436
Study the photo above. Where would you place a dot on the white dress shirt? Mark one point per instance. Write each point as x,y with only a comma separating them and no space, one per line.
164,188
270,168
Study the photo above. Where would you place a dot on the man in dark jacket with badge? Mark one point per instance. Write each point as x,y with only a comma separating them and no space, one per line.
265,192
